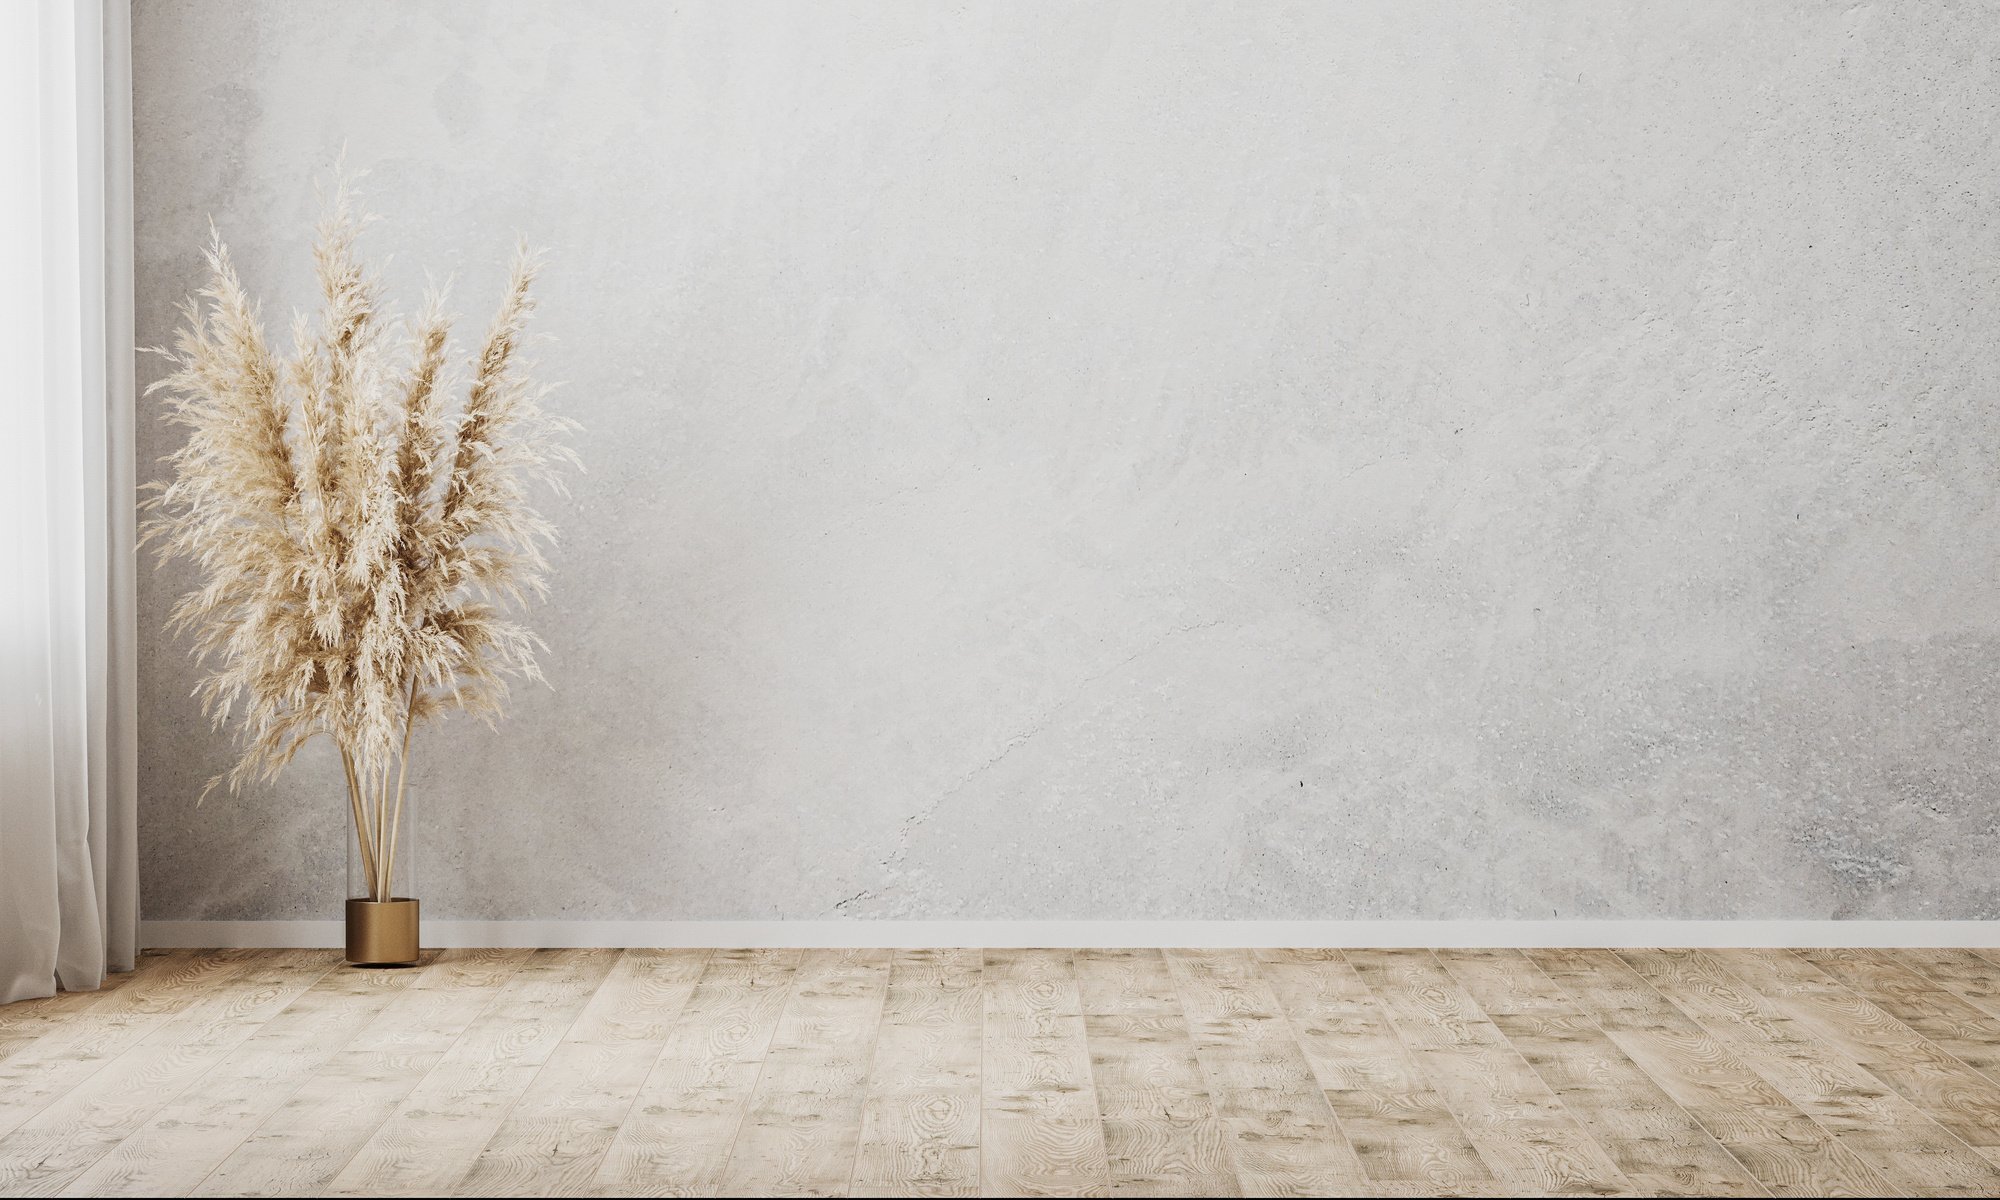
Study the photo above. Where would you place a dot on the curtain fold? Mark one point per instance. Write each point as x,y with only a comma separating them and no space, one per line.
68,854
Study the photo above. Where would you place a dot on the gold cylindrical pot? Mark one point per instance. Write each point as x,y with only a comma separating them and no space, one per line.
382,933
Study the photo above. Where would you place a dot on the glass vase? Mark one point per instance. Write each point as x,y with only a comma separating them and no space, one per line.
382,911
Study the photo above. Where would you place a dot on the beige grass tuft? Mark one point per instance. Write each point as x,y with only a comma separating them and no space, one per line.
360,544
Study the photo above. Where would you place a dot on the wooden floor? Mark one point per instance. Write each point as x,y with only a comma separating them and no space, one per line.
1014,1072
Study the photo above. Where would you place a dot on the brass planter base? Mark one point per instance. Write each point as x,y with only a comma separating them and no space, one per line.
382,933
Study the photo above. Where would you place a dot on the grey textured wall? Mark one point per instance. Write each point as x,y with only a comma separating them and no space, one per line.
1223,460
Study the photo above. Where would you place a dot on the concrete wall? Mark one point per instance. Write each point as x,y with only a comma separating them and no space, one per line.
1220,460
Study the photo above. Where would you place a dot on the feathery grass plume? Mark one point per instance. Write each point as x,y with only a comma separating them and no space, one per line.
360,546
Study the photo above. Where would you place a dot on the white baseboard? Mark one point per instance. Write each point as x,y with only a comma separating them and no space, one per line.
254,934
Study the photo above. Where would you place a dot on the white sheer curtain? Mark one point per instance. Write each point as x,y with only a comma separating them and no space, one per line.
68,860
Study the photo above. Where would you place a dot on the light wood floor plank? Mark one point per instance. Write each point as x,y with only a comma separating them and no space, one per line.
920,1125
803,1130
1652,1140
1785,1150
1966,973
1040,1134
25,1023
1519,1126
1951,1022
1945,1089
427,1142
684,1121
1400,1128
48,1151
94,1037
555,1137
1161,1133
34,1015
1280,1131
1896,1137
192,1134
300,1148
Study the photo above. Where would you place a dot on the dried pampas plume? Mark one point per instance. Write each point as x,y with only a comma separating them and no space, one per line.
360,541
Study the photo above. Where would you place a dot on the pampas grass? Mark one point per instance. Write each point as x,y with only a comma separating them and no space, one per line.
360,543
